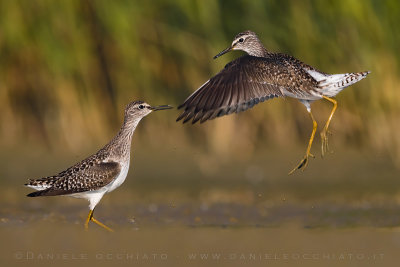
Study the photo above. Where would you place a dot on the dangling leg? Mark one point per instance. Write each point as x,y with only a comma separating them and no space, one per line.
303,163
325,132
91,218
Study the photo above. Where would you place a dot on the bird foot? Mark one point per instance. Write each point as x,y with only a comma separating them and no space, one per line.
91,218
303,163
324,142
102,225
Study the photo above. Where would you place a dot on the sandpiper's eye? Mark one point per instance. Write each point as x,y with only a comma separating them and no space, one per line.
241,40
141,107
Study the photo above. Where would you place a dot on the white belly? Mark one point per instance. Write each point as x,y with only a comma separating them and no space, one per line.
92,196
95,196
119,180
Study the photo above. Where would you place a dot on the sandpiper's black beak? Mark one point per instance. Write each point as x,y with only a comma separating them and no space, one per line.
223,52
160,107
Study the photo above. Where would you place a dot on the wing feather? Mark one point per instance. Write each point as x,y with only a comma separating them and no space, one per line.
239,86
76,179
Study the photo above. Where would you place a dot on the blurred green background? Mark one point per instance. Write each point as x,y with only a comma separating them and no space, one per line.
69,67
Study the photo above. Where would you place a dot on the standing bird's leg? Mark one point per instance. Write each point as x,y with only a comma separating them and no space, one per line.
325,132
102,225
91,218
303,163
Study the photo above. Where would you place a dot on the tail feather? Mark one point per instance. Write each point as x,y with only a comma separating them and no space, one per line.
38,193
42,183
333,84
42,186
51,192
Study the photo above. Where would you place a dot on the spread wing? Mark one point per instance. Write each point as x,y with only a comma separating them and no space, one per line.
84,177
242,84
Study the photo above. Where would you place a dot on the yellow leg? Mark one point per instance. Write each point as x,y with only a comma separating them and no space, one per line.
303,163
325,132
91,218
102,225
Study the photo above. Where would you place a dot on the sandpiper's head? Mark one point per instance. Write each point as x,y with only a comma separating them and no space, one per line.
246,41
139,109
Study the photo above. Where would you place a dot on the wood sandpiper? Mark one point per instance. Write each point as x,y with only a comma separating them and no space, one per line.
261,75
100,173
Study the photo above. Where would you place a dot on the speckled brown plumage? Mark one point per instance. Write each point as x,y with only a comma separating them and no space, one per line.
246,82
90,174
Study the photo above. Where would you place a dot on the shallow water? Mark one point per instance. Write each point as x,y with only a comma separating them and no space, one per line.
343,210
45,243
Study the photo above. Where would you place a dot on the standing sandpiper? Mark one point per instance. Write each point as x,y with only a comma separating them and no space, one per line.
262,75
100,173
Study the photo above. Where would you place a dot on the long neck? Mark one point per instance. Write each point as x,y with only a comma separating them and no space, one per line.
258,51
120,145
255,48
